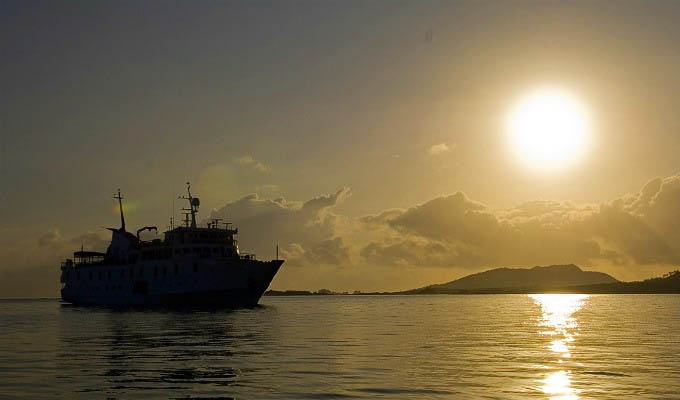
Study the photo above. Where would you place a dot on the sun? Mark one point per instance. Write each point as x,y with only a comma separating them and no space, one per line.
548,129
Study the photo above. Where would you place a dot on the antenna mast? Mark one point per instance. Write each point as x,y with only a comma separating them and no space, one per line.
120,205
193,206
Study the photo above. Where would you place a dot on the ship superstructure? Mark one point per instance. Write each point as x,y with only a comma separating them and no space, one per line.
191,265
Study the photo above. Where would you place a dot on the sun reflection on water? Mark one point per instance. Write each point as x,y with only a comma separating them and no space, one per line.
558,322
558,386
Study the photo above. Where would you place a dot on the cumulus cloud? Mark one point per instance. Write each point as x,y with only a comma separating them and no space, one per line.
249,162
409,251
325,252
305,230
440,148
636,229
455,231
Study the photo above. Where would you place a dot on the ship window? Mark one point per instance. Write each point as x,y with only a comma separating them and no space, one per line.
168,253
195,267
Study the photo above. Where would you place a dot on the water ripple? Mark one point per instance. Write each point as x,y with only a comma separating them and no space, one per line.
393,347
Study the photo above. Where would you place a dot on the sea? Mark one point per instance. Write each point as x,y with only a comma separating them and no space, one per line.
544,346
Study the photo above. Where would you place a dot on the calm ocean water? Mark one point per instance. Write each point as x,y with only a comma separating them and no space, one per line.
496,346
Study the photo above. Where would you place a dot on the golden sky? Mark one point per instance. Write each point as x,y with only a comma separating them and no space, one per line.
368,139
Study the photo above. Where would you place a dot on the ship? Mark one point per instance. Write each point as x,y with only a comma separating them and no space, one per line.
191,266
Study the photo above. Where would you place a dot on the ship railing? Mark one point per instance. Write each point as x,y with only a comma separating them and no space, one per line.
247,256
66,264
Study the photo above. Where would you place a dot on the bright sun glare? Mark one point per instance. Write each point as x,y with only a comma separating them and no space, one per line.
549,129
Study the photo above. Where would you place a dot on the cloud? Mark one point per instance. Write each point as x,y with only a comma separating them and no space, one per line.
93,241
632,237
50,238
410,251
249,162
636,229
454,231
325,252
264,223
439,149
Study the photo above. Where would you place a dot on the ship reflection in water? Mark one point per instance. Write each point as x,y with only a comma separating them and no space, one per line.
561,326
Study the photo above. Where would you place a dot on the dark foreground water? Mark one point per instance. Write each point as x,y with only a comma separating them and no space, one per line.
496,346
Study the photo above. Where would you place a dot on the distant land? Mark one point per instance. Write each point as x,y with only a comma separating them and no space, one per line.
549,279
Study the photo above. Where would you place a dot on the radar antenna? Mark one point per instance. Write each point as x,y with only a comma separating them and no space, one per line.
194,202
120,205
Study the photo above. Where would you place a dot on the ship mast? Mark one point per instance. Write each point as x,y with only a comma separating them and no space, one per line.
120,206
194,202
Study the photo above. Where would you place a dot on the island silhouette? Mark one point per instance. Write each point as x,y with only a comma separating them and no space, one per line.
568,278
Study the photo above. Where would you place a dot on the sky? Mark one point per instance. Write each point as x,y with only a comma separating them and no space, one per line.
367,139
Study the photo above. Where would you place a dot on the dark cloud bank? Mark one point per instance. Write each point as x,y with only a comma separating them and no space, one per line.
634,235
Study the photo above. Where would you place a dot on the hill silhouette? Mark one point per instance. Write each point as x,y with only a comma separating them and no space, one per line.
550,279
520,280
669,283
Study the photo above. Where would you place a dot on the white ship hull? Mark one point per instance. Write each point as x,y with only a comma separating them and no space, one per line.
217,282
